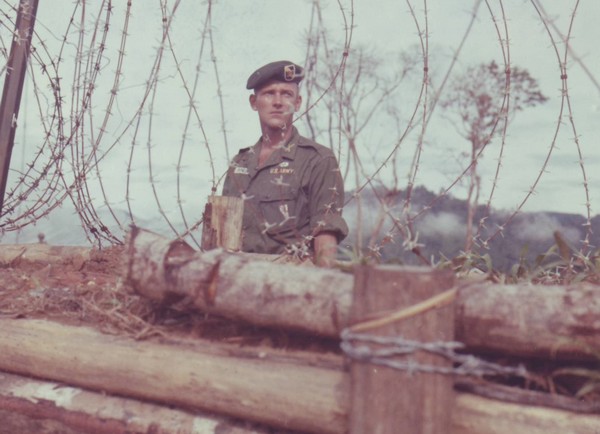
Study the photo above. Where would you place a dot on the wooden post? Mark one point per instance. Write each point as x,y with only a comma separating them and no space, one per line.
223,223
385,400
13,86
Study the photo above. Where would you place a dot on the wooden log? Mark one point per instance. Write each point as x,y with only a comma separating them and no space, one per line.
557,322
222,225
253,386
561,322
477,415
526,397
236,286
386,400
42,407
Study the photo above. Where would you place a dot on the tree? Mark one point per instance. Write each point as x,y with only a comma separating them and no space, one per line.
482,98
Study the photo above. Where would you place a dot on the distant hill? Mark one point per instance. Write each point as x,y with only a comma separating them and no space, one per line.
442,228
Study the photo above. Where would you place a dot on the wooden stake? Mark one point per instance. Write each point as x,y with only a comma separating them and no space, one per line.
392,401
16,69
223,223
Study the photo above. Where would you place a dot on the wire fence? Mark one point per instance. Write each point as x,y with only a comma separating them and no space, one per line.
132,111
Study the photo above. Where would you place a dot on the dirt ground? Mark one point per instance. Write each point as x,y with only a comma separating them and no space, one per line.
38,288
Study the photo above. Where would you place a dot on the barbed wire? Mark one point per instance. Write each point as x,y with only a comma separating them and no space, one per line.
385,351
89,157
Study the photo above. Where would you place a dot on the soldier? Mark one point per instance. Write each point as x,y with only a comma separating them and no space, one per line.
292,187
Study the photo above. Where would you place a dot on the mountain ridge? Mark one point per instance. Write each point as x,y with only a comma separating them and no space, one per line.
441,230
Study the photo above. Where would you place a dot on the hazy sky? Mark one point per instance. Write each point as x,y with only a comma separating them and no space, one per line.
248,34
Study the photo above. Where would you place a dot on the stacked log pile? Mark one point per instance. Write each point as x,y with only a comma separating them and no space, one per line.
561,322
82,376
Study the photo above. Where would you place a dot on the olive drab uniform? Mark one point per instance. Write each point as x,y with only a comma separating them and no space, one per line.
296,194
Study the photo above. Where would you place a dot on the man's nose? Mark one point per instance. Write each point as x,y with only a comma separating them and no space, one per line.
277,99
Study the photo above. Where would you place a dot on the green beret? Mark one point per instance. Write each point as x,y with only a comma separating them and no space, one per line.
282,70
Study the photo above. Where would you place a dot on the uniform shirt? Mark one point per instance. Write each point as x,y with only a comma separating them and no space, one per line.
298,193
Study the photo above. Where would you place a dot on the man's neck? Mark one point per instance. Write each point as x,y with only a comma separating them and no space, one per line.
274,138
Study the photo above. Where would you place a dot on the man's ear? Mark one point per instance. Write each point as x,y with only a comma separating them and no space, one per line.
252,100
298,103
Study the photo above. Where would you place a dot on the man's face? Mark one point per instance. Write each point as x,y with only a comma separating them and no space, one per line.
276,103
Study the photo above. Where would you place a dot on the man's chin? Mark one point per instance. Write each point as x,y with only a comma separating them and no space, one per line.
277,125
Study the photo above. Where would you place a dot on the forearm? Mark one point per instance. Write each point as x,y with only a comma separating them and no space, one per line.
325,246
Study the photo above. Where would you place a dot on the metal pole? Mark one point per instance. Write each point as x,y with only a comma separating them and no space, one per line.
13,86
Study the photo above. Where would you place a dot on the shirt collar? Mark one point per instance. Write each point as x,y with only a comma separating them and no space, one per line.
287,151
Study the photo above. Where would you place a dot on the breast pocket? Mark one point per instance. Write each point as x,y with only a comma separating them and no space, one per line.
279,210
